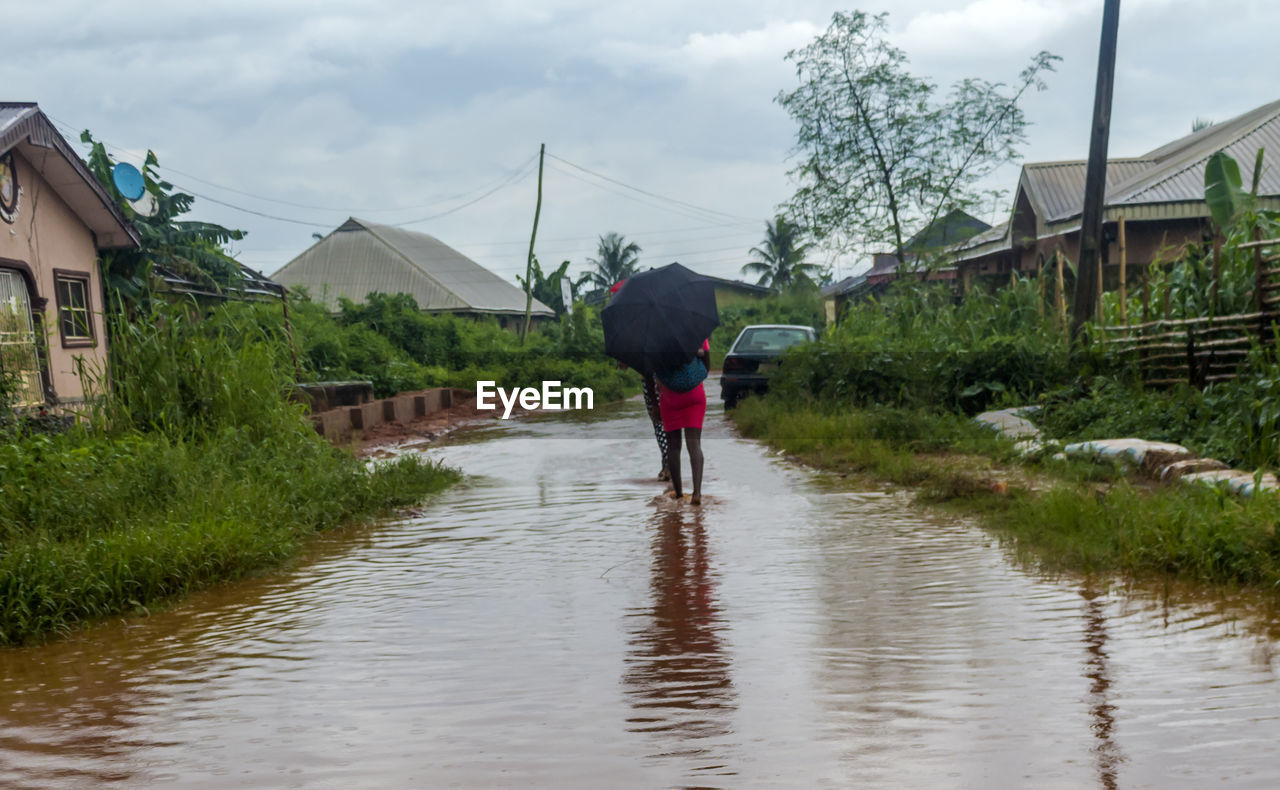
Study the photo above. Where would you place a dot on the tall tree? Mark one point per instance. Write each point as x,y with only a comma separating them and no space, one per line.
880,156
780,259
616,259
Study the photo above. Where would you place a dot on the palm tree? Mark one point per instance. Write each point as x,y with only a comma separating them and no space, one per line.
780,260
616,260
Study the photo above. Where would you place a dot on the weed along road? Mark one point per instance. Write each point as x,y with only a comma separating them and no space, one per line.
547,624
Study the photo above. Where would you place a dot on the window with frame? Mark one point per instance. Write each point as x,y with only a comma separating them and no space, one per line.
19,363
75,322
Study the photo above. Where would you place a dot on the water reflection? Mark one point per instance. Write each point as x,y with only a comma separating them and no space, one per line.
678,672
527,629
1102,720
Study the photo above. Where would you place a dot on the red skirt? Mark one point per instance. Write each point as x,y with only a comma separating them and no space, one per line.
682,409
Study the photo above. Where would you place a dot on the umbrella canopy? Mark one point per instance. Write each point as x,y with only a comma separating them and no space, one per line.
658,319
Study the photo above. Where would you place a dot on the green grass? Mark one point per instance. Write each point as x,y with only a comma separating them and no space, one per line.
1190,532
194,469
94,526
1066,516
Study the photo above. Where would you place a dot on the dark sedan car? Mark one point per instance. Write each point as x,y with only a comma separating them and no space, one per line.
754,355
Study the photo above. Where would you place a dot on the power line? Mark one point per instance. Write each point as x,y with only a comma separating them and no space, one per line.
522,171
347,211
252,211
672,209
67,129
512,179
650,194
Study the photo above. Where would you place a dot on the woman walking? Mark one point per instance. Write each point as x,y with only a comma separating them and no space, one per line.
650,388
684,412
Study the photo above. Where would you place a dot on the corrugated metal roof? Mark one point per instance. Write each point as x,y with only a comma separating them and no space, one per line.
990,240
1178,172
362,257
24,127
1172,173
10,114
1057,188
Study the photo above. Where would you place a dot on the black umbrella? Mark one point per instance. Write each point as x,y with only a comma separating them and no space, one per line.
658,319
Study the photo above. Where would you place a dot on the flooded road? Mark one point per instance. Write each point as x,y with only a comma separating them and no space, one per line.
547,624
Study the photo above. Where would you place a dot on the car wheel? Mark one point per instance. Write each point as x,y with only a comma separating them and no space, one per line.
731,399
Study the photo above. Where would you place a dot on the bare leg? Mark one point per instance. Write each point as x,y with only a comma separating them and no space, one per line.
673,460
693,437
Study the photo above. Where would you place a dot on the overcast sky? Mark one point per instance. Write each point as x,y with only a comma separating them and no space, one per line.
314,110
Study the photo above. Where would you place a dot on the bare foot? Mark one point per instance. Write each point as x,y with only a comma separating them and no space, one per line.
665,474
672,494
696,499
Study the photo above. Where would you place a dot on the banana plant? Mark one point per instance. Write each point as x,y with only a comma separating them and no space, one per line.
1224,190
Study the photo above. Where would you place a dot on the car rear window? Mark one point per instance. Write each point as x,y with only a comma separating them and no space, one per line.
769,339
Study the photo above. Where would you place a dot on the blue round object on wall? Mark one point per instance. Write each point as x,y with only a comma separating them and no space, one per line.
128,180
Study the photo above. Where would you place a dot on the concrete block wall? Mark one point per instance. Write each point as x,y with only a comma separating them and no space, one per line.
343,423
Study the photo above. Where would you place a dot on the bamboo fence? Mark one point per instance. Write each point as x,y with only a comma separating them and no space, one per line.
1200,351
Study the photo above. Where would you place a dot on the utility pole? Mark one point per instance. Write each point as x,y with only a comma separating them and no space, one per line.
1089,265
528,267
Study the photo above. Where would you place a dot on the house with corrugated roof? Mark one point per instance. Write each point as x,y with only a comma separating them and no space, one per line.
54,218
954,227
359,258
1159,196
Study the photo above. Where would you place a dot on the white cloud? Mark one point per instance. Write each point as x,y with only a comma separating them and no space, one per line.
759,47
989,26
377,102
767,44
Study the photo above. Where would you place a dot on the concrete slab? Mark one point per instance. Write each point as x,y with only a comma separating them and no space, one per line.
1189,466
1141,453
1010,422
1243,483
398,409
333,425
366,415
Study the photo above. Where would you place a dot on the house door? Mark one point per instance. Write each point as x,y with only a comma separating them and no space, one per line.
19,364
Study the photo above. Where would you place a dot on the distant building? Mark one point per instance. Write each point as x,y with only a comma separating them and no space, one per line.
837,295
923,251
360,258
1160,195
733,292
728,293
54,217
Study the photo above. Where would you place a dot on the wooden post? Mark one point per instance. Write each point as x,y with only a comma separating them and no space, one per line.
1101,290
1216,275
288,330
1192,377
1059,296
528,267
1040,284
1146,317
1259,285
1124,274
1146,296
1095,182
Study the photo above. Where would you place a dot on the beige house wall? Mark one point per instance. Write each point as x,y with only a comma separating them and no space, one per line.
47,235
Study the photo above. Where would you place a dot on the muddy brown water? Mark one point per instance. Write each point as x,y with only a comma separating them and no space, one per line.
548,625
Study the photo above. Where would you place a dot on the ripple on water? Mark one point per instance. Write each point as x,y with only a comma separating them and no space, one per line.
545,624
